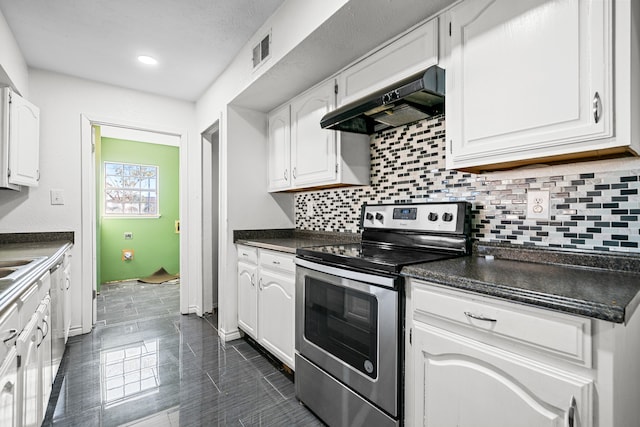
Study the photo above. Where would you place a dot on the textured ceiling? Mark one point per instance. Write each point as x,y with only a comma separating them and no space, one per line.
193,40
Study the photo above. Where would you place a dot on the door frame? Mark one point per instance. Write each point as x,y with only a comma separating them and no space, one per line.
210,246
89,260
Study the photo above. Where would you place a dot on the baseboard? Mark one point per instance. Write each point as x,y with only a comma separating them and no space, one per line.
229,336
76,330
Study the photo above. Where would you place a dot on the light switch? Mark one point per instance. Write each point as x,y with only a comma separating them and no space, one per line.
57,197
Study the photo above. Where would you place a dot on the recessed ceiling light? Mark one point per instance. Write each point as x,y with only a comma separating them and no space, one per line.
147,60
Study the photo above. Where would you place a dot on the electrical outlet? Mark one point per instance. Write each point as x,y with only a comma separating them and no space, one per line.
309,208
538,204
128,235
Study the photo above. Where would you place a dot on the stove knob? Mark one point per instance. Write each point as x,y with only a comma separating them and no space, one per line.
369,216
380,217
433,216
447,217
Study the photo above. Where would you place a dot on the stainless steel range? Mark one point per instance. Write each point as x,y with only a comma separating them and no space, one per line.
350,310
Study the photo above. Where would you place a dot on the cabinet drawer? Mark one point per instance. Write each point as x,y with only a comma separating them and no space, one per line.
28,304
9,329
277,260
44,285
248,254
505,324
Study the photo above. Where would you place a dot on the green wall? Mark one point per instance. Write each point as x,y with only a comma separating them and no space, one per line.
155,242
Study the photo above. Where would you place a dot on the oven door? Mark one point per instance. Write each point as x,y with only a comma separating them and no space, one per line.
349,328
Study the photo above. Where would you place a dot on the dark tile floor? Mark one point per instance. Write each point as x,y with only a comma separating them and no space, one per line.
144,364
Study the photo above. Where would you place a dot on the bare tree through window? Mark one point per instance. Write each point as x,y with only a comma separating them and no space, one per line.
130,189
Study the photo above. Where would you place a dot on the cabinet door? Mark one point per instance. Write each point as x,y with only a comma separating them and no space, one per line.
24,142
409,54
248,298
57,318
279,149
276,313
66,314
46,365
9,389
313,149
29,373
465,383
524,77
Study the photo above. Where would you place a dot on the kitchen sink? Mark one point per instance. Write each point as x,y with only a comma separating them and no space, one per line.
12,269
4,272
15,262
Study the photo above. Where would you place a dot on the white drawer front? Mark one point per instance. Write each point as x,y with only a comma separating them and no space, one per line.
566,336
29,302
277,260
248,254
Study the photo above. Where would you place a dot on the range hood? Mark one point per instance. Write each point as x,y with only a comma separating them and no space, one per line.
409,100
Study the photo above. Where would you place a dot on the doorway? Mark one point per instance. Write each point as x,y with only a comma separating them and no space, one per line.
89,238
137,176
210,216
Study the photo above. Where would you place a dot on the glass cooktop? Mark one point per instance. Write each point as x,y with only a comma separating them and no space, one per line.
386,259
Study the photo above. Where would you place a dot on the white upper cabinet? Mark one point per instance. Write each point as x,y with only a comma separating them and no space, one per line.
411,53
528,81
313,150
20,141
279,149
302,155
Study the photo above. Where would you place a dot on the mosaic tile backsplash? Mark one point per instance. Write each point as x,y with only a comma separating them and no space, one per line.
592,211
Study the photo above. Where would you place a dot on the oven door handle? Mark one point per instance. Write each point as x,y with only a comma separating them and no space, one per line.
385,281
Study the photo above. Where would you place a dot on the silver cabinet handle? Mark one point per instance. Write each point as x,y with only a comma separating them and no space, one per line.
479,317
295,172
253,280
286,175
597,107
276,262
260,283
571,413
13,334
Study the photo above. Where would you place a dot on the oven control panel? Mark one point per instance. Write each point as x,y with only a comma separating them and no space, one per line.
434,217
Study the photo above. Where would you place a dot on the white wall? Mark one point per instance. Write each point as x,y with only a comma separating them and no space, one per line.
244,201
62,100
249,205
12,61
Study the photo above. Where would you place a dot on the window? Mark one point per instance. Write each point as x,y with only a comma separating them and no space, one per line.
130,190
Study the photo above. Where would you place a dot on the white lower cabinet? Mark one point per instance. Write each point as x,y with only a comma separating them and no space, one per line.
276,314
26,365
9,329
9,389
248,298
474,362
266,311
477,361
462,382
28,373
46,362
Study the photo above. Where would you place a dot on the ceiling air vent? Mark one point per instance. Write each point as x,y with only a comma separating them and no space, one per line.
262,50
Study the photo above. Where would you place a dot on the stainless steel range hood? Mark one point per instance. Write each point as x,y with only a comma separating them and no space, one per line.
409,100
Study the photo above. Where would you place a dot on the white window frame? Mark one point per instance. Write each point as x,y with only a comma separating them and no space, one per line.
130,215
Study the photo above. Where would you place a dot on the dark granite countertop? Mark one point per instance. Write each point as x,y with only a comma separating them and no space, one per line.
288,240
567,282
